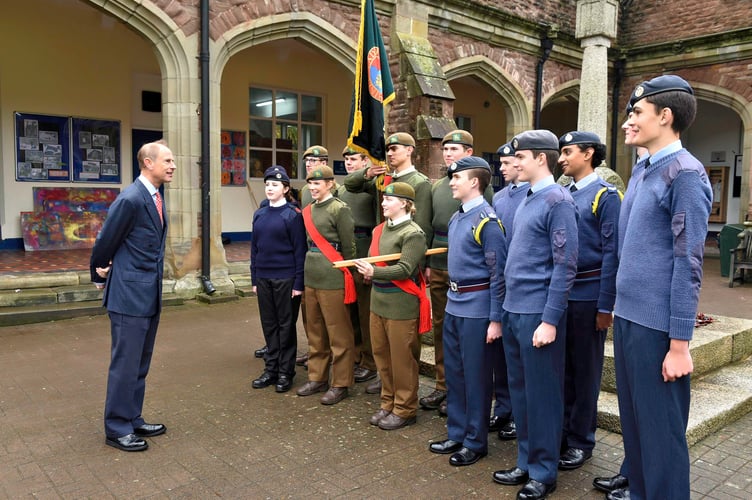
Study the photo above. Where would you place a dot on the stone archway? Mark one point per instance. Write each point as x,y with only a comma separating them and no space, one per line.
518,112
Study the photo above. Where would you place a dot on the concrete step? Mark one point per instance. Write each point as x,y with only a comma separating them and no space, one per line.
718,398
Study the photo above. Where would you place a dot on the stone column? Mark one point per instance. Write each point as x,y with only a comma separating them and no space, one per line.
595,28
424,102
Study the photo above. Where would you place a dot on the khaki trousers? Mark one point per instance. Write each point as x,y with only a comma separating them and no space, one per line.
395,350
330,337
439,288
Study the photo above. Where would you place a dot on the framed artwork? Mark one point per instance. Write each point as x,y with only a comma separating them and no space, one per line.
42,148
233,152
96,150
719,181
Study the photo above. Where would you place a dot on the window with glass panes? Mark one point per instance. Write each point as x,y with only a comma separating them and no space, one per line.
282,124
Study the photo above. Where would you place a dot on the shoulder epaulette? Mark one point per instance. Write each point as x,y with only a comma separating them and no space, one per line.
484,218
599,194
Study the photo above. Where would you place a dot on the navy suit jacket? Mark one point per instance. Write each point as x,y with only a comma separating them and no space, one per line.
133,238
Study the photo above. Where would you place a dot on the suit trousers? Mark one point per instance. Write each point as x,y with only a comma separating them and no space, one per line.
276,306
536,384
582,380
653,414
395,344
133,340
361,315
331,342
468,368
439,285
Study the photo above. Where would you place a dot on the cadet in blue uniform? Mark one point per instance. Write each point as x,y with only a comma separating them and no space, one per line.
657,290
505,204
477,253
591,301
540,270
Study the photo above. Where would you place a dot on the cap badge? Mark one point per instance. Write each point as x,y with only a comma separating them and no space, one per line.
453,166
515,143
278,176
457,137
568,137
506,150
639,91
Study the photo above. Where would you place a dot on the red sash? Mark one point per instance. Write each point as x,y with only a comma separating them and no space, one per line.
330,253
407,285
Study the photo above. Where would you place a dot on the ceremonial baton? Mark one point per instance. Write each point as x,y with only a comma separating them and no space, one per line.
382,258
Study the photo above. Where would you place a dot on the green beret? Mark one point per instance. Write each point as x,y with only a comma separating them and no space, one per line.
322,173
400,190
350,151
317,152
458,137
402,138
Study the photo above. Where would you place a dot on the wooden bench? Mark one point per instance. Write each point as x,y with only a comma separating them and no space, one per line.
741,256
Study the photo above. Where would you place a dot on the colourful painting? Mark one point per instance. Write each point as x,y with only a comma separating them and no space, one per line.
233,153
65,218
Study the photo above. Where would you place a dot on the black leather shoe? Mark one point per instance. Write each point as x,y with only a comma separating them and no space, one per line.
609,484
129,442
265,380
433,400
301,360
363,374
284,383
150,430
259,353
574,458
374,387
508,431
443,409
445,447
495,423
535,490
465,456
620,494
510,477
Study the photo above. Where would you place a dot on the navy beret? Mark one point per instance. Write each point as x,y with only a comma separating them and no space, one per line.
578,137
276,173
505,150
536,140
658,85
467,163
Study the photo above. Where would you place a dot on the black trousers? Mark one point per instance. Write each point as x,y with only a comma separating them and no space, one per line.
279,315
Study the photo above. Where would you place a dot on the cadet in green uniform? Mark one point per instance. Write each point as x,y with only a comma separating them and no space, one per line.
362,207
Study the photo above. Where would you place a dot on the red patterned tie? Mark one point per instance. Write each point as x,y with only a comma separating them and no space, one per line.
159,207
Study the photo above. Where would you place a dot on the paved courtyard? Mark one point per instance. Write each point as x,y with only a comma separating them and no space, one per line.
227,440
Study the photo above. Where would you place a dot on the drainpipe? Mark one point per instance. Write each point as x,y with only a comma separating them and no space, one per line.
205,154
546,45
615,111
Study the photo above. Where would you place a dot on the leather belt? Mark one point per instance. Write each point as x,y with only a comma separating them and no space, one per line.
458,287
334,244
588,274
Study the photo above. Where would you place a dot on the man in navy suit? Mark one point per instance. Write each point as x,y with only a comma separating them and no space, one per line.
127,261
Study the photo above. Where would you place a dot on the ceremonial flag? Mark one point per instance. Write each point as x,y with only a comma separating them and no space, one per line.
373,88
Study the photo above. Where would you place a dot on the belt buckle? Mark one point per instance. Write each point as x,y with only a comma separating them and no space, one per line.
453,286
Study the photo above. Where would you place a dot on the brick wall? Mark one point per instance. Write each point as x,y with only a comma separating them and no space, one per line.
655,21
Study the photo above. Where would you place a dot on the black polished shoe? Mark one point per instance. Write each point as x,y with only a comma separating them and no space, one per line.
620,494
259,353
609,484
445,447
284,384
510,477
443,409
363,374
535,490
433,400
508,431
129,442
466,456
374,387
574,458
302,360
495,423
265,380
150,430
